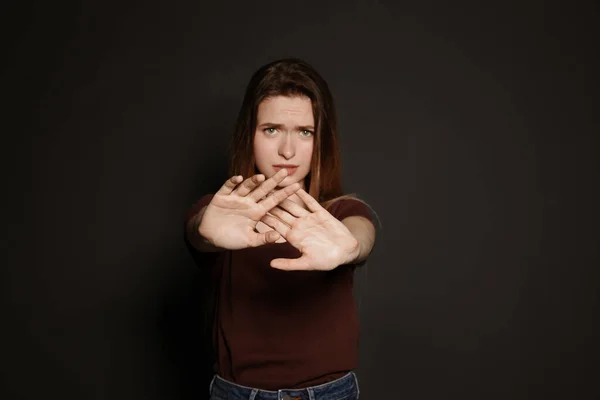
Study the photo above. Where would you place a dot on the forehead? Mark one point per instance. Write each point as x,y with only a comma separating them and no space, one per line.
279,109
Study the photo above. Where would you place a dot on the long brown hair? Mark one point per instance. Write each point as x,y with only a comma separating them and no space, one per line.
292,77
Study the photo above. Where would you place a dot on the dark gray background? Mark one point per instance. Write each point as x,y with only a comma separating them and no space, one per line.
471,130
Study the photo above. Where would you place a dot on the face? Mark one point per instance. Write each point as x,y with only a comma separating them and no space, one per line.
284,137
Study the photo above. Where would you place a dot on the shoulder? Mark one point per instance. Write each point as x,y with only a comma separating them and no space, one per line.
197,206
348,206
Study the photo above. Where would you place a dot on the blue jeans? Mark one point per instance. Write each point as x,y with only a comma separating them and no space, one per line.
345,388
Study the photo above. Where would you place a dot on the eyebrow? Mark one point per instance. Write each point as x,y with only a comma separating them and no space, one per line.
273,125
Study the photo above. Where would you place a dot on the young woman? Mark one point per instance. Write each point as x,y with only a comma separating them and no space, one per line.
285,241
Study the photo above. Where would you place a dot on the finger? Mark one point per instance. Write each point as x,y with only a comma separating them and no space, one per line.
268,185
283,215
261,227
260,239
276,224
312,204
231,183
277,197
248,185
293,208
291,264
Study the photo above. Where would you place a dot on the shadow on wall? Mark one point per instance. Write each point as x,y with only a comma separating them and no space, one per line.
186,312
185,331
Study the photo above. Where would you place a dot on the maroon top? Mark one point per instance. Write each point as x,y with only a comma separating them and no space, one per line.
278,329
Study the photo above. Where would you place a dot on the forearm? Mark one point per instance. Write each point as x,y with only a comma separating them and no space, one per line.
196,240
364,233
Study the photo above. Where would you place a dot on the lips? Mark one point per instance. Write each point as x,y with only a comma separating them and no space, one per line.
290,168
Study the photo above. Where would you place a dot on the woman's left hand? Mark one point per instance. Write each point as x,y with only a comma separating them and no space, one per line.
322,239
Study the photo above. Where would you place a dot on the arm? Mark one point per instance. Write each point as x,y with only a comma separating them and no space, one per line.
325,242
194,237
226,220
364,232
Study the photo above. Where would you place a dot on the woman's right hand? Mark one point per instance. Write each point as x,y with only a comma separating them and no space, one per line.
230,219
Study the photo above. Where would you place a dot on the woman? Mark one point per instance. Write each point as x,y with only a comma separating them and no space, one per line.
286,242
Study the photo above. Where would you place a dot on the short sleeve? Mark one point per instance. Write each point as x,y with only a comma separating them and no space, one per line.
200,258
204,201
349,208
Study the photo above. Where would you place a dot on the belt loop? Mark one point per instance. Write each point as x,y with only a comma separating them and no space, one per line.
253,394
311,393
212,381
357,386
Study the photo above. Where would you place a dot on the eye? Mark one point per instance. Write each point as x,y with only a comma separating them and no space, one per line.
271,131
306,133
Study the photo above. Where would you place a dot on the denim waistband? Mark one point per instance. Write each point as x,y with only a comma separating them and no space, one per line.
345,387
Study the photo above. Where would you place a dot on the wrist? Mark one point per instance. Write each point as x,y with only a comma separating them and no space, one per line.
203,235
352,252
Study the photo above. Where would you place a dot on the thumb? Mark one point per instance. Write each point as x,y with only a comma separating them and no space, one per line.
290,264
271,236
265,238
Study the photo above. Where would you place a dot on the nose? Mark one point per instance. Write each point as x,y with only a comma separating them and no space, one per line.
287,147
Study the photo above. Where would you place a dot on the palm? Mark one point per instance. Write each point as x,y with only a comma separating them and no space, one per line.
322,239
229,221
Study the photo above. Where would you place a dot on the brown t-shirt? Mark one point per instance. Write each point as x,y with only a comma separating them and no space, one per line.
278,329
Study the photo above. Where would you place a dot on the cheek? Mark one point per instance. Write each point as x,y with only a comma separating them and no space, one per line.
261,151
307,152
257,146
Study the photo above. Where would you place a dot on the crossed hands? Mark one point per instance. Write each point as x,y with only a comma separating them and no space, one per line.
230,222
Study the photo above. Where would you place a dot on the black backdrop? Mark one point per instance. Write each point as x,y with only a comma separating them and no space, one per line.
470,129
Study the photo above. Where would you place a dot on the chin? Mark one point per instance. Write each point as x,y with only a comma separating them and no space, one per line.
287,182
290,180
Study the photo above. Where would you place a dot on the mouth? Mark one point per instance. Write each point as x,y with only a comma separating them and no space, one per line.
290,168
